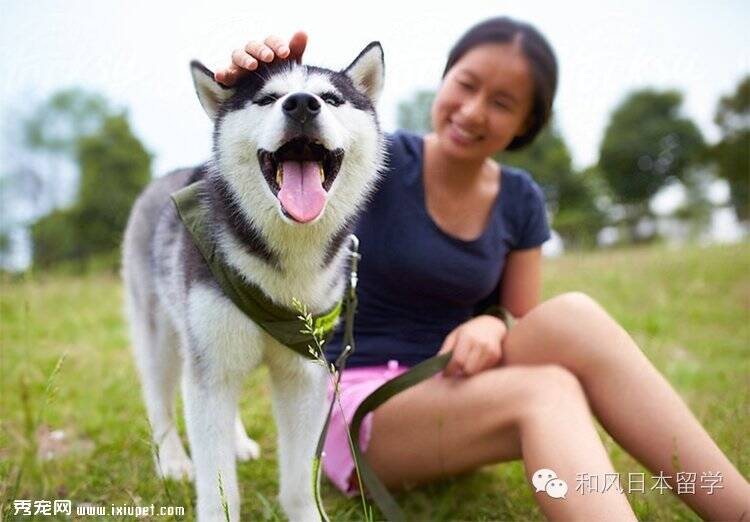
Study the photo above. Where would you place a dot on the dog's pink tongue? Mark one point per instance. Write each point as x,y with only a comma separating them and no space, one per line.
302,194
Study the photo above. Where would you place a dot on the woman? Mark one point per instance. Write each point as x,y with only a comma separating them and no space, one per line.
446,226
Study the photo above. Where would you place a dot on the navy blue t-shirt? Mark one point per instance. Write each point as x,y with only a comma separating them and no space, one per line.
417,283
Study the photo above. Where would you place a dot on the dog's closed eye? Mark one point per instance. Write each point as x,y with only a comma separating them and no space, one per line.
331,98
267,99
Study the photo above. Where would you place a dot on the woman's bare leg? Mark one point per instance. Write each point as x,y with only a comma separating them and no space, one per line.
445,426
631,399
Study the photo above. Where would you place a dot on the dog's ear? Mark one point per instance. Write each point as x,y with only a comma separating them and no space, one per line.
367,71
210,92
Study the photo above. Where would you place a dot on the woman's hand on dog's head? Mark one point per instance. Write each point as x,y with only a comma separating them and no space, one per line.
247,58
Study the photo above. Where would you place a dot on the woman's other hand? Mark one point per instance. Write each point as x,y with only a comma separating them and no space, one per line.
247,59
476,346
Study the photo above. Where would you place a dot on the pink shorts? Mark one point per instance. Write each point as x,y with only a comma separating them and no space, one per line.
356,384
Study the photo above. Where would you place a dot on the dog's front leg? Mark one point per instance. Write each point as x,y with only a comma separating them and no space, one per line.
299,404
210,406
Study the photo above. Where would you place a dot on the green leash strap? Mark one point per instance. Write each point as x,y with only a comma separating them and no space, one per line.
279,322
350,307
501,313
415,375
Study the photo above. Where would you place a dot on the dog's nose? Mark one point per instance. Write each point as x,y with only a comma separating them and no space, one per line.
301,107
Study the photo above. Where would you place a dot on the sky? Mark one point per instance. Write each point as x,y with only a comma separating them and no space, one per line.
137,54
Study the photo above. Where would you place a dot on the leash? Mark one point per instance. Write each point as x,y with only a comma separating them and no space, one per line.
411,377
420,372
415,375
349,308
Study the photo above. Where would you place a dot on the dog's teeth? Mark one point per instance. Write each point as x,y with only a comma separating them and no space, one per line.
279,175
322,173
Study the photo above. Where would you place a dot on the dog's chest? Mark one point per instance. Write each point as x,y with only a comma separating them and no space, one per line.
304,275
222,332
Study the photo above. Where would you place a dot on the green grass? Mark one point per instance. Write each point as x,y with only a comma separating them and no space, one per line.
689,310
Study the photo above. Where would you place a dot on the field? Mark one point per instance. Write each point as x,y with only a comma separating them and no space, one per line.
74,426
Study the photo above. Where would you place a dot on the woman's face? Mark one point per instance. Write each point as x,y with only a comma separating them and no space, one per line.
485,101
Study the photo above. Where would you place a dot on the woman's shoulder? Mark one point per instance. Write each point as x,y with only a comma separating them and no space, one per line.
524,207
403,155
519,182
403,143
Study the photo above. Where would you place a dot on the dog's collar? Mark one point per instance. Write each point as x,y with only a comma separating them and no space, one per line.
281,323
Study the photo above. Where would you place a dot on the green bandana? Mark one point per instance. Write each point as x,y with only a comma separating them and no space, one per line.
279,322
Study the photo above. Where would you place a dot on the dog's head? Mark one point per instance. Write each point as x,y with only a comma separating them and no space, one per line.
297,141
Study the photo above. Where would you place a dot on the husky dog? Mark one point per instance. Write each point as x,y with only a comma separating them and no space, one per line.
296,151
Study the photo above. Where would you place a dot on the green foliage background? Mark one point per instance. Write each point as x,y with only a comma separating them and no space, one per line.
732,153
115,167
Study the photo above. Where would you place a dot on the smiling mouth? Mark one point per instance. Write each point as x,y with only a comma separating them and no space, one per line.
463,133
300,173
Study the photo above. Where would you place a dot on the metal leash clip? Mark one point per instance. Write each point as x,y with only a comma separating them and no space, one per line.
354,258
351,301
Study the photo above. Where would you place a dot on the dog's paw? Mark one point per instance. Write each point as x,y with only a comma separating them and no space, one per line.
246,449
174,463
176,468
308,513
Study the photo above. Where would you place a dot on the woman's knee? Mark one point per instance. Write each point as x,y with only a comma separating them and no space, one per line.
571,330
574,305
519,391
549,391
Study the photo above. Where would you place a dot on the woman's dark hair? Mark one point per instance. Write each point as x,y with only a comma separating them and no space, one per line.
539,54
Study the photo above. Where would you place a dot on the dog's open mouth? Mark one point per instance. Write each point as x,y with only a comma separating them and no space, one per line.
300,173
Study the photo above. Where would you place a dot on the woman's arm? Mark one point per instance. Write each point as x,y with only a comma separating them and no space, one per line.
477,343
521,288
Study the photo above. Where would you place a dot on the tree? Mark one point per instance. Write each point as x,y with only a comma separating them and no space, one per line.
51,134
6,223
646,145
5,246
68,114
732,153
570,195
55,238
415,114
114,167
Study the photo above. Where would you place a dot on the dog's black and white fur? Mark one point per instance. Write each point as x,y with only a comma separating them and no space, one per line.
182,324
